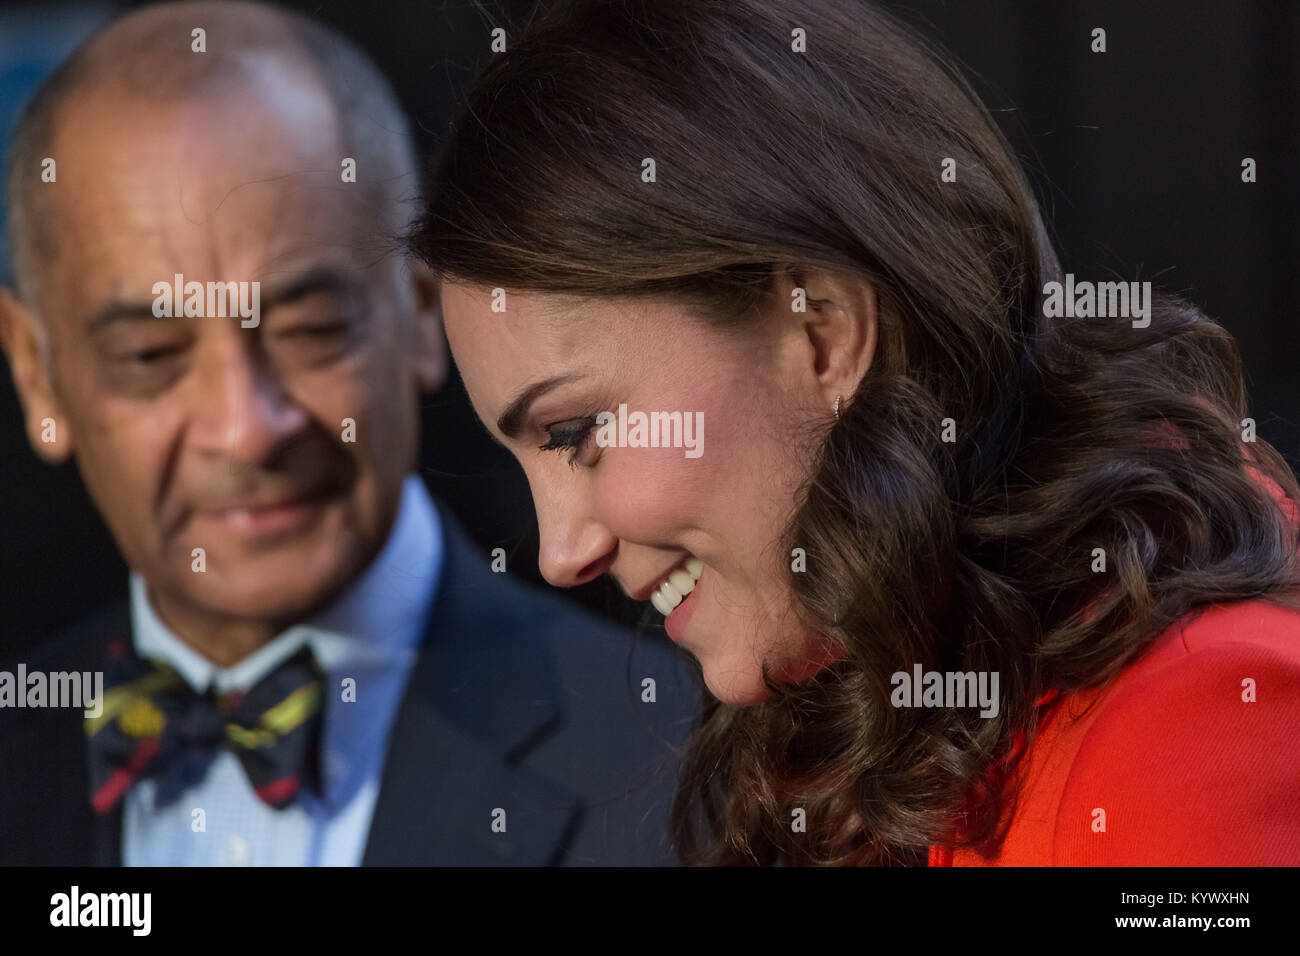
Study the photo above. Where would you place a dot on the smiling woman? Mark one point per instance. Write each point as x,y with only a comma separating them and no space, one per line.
920,472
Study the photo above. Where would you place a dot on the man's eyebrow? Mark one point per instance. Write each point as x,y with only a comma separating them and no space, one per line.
322,279
119,311
511,422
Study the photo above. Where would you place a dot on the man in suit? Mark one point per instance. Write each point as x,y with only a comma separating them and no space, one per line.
315,666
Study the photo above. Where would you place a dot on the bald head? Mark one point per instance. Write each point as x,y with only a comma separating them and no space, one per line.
146,61
281,447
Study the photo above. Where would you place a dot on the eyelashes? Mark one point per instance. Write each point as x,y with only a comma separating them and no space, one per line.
571,435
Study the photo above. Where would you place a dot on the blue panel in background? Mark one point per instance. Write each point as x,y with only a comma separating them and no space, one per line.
33,41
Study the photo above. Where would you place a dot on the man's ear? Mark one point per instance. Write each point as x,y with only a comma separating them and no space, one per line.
427,339
48,430
839,326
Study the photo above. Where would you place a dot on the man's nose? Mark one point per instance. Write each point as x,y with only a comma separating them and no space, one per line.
244,410
575,546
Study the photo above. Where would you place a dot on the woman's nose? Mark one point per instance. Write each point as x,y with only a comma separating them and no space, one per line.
575,547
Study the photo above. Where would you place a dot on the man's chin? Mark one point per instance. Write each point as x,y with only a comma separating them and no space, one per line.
277,574
281,587
268,599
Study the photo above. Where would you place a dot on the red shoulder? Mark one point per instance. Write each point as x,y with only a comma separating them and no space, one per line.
1193,754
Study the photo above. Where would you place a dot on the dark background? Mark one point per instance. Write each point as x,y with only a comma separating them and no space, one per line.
1135,155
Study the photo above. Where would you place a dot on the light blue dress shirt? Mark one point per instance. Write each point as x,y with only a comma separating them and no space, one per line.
372,634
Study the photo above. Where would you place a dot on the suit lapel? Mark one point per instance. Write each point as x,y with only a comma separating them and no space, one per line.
106,839
59,828
105,828
481,695
49,820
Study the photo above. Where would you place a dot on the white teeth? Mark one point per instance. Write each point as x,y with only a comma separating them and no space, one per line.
672,597
657,600
682,581
678,584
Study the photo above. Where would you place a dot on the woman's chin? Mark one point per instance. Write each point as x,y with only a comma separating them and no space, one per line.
739,689
740,684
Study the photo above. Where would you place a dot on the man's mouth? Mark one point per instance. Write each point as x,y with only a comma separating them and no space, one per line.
265,514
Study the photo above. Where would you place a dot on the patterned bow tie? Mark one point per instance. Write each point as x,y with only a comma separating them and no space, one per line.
155,726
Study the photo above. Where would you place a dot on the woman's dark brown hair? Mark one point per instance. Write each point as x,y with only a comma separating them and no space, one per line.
972,555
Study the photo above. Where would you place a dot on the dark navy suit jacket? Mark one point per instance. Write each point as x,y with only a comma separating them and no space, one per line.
518,699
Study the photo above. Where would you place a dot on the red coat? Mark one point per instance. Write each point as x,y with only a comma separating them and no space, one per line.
1175,765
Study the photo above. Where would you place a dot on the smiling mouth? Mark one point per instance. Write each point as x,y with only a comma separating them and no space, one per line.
674,588
270,516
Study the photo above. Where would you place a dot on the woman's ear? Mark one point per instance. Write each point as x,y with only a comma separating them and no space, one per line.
838,326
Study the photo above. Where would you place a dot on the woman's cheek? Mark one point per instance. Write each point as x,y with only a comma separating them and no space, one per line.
646,495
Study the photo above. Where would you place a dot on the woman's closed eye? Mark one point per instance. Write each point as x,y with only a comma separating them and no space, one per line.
572,434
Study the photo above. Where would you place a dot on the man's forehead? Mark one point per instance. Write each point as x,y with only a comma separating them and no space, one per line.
123,242
271,122
202,183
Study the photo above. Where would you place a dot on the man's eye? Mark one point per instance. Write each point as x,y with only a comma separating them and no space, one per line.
319,330
151,356
571,435
316,342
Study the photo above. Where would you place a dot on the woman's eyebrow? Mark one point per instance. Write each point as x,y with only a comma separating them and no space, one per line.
511,421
